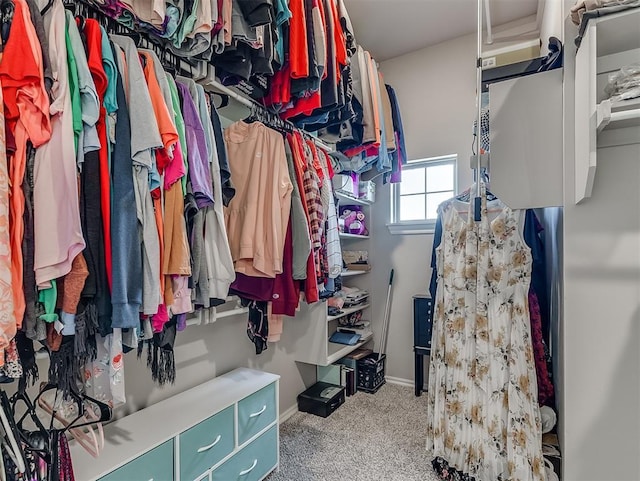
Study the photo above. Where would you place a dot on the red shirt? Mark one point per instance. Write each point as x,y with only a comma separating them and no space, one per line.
93,35
298,53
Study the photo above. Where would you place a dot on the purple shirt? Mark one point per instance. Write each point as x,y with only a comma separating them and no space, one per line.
198,158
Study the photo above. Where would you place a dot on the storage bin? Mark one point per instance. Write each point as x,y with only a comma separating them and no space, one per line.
371,372
367,190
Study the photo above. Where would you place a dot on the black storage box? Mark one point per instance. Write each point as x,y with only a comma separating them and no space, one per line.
321,399
371,372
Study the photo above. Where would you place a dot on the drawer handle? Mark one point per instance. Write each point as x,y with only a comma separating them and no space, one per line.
247,471
253,415
207,448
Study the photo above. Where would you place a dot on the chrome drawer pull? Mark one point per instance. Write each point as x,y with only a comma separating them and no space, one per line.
247,471
207,448
264,408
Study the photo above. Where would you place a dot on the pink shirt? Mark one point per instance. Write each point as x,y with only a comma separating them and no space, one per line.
258,215
58,234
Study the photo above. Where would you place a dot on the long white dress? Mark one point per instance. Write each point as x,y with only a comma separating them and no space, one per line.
483,416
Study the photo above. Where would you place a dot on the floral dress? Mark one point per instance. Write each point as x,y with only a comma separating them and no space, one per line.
483,417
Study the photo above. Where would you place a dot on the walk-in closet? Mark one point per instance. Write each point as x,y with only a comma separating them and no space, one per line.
318,240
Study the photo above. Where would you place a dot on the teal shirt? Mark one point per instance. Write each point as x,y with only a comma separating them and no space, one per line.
111,69
76,103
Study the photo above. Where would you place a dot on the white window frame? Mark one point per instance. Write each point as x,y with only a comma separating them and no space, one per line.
426,226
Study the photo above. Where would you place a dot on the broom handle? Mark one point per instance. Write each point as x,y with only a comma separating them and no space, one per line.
385,322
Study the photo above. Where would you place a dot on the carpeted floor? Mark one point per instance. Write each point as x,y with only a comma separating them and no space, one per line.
371,437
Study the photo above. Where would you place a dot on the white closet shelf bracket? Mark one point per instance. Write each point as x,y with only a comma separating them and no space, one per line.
231,93
618,114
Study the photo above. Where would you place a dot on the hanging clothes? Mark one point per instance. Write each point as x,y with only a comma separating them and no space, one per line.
126,297
258,215
482,413
26,118
93,34
58,233
8,322
145,138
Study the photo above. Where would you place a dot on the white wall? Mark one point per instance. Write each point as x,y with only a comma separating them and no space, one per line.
601,342
204,352
436,92
436,89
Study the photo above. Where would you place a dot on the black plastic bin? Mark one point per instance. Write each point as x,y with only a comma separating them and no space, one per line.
371,372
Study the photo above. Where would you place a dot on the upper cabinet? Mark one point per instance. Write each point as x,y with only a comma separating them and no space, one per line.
609,43
526,140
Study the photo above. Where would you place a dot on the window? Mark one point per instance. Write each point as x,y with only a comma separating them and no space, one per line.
425,184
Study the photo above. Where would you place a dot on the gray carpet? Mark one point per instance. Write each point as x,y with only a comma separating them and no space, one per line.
371,437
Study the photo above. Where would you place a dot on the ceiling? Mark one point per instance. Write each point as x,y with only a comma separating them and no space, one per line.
388,28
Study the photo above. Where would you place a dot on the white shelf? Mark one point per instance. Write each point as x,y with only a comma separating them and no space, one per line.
349,273
351,200
344,235
338,351
347,311
609,43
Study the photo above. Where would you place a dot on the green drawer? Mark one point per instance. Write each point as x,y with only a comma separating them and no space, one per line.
155,465
256,412
253,462
205,444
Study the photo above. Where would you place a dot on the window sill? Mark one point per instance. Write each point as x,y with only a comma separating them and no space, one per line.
412,228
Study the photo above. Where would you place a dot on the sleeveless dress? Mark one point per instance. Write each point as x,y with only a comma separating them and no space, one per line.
483,420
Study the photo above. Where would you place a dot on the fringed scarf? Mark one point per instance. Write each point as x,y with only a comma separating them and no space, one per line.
27,356
160,355
64,368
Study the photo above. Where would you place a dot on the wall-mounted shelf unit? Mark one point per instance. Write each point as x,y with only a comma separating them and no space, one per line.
351,273
348,310
347,199
314,326
344,235
338,351
609,43
312,344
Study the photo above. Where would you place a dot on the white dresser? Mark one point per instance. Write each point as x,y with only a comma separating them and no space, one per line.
223,430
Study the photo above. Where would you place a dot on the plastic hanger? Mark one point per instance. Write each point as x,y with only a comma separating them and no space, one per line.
47,7
90,417
10,441
86,438
38,440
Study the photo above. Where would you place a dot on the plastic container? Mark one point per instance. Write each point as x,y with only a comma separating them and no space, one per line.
371,372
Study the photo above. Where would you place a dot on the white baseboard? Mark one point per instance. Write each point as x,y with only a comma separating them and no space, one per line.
400,381
288,413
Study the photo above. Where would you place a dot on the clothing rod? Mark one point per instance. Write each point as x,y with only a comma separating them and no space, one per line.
229,313
252,103
624,115
231,93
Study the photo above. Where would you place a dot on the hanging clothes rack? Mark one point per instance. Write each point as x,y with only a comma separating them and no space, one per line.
168,59
182,66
